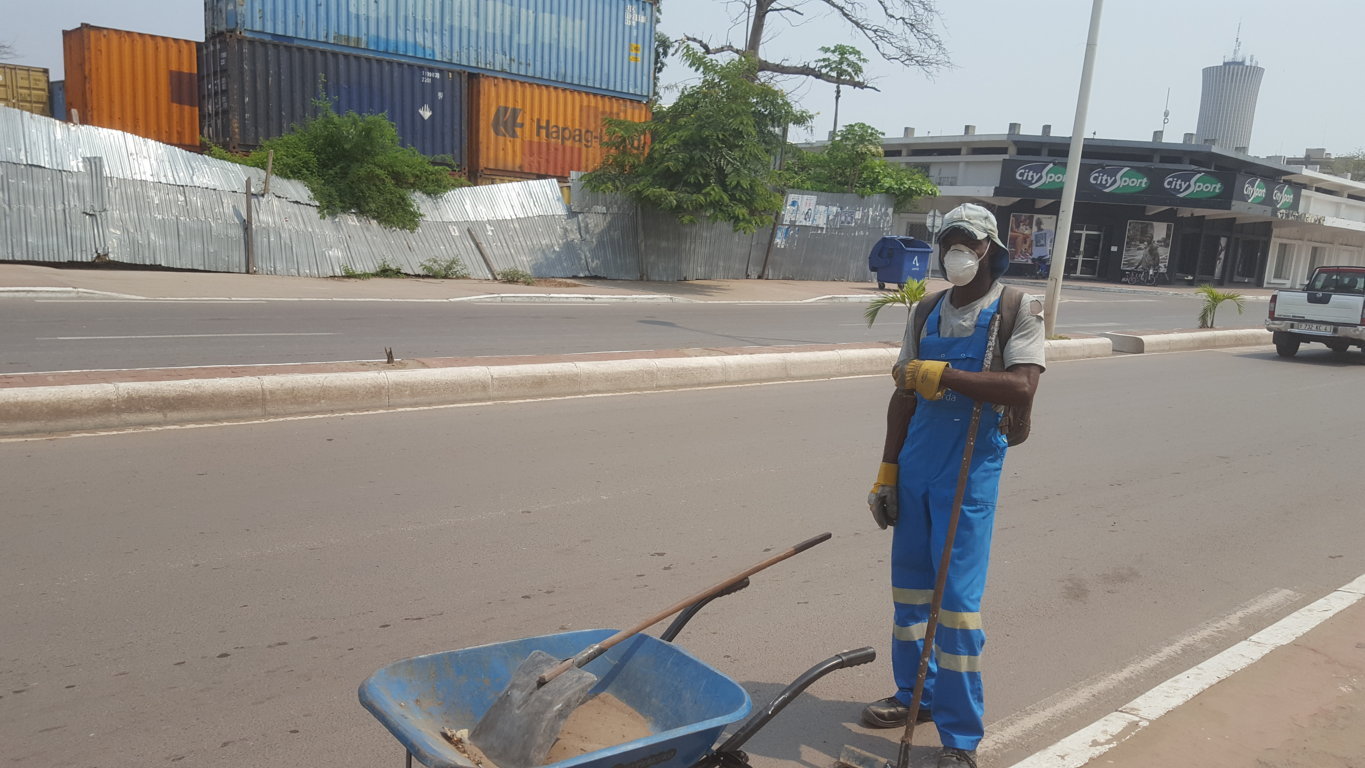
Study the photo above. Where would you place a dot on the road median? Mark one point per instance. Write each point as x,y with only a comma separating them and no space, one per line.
53,404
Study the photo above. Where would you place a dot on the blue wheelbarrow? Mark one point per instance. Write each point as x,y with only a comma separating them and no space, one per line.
686,702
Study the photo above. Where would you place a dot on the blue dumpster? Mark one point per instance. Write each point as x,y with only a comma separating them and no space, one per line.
899,260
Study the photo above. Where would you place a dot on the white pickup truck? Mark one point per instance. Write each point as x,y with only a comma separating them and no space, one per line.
1329,310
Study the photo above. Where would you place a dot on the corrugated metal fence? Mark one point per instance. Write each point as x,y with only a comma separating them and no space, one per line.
76,193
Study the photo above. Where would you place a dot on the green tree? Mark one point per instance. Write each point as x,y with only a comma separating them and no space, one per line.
843,62
354,164
709,153
853,162
1353,163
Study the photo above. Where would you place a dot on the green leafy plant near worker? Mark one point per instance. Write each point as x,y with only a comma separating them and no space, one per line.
908,294
1212,299
354,164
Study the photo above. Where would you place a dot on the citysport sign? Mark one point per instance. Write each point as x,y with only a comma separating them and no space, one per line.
1040,175
1131,184
1266,195
1120,180
1193,185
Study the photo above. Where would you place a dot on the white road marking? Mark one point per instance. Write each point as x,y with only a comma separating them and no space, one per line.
177,336
1085,745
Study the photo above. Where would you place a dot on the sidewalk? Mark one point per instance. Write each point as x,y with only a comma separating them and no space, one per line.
127,282
1300,705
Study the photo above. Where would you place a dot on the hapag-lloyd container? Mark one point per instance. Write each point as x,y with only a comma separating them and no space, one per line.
253,90
526,130
603,46
142,84
24,88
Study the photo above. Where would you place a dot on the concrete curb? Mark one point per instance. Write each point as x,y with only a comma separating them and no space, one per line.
1188,340
130,405
58,292
31,411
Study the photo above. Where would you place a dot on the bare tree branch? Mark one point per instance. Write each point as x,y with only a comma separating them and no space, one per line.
710,50
908,38
805,70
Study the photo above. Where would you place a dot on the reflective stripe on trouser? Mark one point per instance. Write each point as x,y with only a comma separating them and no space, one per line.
930,463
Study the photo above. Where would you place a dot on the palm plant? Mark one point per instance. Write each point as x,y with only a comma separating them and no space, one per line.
1212,298
908,294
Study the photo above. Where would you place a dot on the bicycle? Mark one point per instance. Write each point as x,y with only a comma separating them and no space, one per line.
1140,276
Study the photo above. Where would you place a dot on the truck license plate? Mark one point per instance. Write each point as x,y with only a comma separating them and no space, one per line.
1315,327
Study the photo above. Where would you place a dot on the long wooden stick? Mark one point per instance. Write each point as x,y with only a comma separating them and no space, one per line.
597,649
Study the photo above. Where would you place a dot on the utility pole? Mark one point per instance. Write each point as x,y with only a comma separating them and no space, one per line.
1073,173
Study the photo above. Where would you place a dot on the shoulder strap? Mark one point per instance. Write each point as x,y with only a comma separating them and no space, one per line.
922,310
1010,299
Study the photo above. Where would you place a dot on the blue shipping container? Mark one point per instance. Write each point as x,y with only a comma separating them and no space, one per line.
602,46
57,95
253,90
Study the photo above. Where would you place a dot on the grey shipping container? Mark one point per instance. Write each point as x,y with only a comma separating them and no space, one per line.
254,90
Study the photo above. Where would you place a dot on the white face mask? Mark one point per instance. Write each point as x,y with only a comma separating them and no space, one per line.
960,264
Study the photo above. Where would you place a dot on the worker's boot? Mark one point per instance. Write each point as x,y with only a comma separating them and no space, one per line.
891,713
957,758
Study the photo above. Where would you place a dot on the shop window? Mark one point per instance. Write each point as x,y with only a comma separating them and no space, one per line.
1248,259
1284,258
1316,258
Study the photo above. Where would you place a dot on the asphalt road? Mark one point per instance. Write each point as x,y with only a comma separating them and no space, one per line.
48,335
213,596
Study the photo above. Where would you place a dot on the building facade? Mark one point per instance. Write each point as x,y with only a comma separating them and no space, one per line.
1195,213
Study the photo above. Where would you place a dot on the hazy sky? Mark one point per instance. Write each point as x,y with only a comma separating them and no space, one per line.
1013,62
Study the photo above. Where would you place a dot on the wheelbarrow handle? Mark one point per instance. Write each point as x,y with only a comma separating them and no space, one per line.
593,651
852,658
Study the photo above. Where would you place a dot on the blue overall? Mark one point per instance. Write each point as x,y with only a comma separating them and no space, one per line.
930,462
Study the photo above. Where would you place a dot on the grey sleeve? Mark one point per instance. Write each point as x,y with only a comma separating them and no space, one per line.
1026,345
909,344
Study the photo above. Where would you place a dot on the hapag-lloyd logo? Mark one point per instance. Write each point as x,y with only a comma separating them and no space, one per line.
1283,196
1254,190
1041,175
1119,179
1193,184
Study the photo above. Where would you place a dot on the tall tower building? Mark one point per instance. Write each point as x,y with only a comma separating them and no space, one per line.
1227,104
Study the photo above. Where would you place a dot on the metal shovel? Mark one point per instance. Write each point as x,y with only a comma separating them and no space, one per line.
523,723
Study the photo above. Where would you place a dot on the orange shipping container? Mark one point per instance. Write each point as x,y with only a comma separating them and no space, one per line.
143,84
526,130
24,88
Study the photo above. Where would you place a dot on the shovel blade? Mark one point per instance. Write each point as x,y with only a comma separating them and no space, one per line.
524,721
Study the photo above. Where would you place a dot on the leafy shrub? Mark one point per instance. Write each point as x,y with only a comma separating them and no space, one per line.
353,164
516,276
445,269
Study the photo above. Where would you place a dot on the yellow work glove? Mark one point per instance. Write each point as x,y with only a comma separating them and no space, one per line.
882,499
924,377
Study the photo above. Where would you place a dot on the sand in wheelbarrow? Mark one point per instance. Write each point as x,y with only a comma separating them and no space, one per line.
599,723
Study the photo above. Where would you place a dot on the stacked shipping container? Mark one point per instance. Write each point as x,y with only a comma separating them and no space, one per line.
142,84
24,88
253,90
601,46
523,130
511,89
427,64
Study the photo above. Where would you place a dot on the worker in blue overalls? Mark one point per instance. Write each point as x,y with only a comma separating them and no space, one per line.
941,375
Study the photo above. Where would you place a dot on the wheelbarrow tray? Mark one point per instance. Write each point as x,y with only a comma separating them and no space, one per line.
686,702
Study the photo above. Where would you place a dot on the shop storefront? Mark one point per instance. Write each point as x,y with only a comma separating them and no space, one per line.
1184,225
